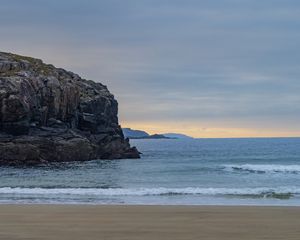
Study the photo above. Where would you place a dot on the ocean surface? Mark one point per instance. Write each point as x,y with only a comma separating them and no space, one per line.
253,171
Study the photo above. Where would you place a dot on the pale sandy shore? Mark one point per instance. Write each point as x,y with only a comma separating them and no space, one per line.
70,222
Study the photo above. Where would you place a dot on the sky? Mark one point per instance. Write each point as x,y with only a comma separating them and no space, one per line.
226,68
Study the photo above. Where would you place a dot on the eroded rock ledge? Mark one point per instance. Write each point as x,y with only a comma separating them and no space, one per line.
48,114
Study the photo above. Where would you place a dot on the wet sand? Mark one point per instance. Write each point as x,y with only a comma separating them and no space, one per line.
82,222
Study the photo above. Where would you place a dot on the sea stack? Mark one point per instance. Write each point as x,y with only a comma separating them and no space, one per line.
48,114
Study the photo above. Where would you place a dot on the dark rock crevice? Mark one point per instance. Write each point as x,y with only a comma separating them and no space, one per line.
48,114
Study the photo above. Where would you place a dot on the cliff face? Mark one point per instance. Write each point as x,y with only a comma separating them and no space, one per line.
48,114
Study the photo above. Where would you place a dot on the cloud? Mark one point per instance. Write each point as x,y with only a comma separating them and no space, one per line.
227,63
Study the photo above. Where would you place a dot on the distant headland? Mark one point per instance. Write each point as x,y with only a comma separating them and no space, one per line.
140,134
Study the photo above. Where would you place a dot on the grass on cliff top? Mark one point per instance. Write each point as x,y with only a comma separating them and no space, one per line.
35,63
20,58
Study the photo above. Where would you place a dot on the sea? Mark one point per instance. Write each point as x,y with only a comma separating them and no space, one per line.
253,171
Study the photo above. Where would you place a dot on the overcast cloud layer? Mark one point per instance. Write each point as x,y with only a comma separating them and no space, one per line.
195,64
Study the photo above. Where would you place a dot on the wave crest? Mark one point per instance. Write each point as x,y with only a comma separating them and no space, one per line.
280,192
264,168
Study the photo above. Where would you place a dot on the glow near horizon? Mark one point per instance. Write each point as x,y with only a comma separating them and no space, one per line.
194,131
207,69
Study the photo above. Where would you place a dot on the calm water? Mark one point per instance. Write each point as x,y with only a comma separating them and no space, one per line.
202,171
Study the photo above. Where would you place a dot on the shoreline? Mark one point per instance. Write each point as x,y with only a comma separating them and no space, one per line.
148,205
59,221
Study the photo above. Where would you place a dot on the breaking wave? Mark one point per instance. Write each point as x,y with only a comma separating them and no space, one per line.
280,192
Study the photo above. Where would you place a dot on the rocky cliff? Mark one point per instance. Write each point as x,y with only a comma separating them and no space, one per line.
48,114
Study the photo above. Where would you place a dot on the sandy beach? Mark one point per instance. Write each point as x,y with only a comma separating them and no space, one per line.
74,222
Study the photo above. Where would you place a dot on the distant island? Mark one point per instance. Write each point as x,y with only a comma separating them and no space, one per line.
139,134
177,136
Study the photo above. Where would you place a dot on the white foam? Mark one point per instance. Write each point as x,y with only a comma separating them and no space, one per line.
266,168
148,191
